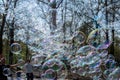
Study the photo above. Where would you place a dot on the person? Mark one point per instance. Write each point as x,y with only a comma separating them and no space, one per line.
18,70
28,68
5,69
2,66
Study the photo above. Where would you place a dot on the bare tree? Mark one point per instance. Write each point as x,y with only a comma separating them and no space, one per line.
12,33
53,4
3,23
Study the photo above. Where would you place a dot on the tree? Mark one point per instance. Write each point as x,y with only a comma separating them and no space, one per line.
53,4
4,15
12,32
67,17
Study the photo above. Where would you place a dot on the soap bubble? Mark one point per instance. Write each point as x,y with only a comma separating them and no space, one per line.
94,65
97,39
23,75
38,59
20,61
6,71
104,45
52,1
103,54
74,63
110,56
54,66
115,74
79,37
16,48
110,63
85,50
49,74
107,72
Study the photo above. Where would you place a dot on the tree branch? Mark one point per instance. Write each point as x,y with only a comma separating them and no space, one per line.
43,2
59,4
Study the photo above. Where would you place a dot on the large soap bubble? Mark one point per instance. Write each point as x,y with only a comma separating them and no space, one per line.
104,45
79,37
97,38
115,75
85,50
103,54
16,48
50,74
54,66
38,59
110,64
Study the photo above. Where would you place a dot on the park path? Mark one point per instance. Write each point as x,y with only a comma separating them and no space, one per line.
21,79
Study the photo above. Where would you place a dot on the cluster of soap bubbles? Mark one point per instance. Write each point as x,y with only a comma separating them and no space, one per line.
54,69
94,64
91,60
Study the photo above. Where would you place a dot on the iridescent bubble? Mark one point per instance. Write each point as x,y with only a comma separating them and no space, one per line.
20,61
107,72
110,63
79,37
97,39
16,48
38,59
110,56
55,53
104,45
54,65
74,63
115,75
94,65
51,1
50,74
6,71
23,75
85,50
103,54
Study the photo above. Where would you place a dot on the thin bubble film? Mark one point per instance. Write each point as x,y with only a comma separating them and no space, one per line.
15,48
6,71
49,74
85,50
97,38
79,37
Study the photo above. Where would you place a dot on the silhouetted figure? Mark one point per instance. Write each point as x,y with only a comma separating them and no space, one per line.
28,68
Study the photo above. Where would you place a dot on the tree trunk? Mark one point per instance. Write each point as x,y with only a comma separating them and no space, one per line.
1,32
106,17
27,40
27,52
12,35
11,41
53,25
113,19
